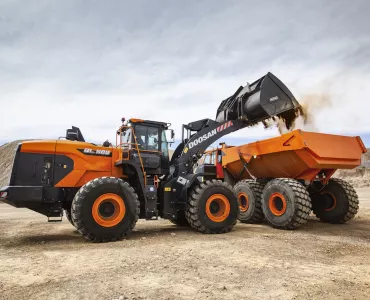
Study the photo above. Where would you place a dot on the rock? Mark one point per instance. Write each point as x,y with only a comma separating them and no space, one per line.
173,234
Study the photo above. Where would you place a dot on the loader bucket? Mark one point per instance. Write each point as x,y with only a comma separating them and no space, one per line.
265,98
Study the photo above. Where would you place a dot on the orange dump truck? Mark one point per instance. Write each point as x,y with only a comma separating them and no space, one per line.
284,178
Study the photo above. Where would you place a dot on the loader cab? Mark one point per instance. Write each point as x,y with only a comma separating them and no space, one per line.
145,142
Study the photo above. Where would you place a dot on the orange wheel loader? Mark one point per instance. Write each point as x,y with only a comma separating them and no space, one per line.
283,179
104,190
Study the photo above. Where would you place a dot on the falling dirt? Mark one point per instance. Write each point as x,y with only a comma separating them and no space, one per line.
303,117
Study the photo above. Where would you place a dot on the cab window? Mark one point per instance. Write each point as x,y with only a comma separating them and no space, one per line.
207,159
213,157
164,146
153,138
126,139
147,137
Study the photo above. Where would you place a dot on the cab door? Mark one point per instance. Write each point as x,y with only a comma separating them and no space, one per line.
147,139
219,170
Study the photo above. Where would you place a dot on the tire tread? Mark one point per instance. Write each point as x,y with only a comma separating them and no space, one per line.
193,202
353,203
257,189
80,197
302,203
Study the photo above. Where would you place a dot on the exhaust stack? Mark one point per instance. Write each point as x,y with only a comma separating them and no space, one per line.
265,98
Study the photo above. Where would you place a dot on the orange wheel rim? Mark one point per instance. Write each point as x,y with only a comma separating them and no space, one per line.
331,195
243,201
217,208
277,204
108,210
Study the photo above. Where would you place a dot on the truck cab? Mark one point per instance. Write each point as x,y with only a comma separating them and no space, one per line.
211,162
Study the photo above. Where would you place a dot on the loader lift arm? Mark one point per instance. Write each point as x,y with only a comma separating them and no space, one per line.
265,98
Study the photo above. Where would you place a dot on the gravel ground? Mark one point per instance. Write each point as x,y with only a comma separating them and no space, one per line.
40,260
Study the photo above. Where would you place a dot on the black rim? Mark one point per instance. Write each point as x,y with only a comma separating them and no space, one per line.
106,209
278,202
243,201
214,207
328,201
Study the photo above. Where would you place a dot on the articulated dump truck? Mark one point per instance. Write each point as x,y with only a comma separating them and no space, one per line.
283,179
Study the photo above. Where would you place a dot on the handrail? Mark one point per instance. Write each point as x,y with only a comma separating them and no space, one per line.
136,145
138,152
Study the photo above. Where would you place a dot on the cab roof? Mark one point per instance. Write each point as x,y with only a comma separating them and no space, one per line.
149,122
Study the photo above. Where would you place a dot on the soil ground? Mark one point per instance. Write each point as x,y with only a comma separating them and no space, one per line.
40,260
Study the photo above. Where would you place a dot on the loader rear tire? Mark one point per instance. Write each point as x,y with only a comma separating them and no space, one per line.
69,216
249,194
105,209
212,207
337,203
286,203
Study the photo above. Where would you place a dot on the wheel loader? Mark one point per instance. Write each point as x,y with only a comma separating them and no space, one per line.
283,179
104,190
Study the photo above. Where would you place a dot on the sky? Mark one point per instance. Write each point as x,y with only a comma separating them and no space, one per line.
90,63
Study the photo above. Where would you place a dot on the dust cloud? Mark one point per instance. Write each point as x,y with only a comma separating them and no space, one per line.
302,118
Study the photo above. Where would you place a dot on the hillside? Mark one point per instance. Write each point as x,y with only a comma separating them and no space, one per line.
7,153
359,177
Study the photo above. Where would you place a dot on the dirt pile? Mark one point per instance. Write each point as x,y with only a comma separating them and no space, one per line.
360,176
7,152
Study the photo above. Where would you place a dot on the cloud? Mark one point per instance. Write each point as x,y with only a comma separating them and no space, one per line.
86,63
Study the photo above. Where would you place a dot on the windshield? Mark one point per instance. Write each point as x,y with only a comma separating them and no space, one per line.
147,137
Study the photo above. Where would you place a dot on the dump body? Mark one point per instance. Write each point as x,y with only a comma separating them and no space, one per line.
298,154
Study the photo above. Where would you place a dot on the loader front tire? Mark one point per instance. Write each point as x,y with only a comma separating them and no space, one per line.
286,203
69,216
105,209
249,194
212,207
337,203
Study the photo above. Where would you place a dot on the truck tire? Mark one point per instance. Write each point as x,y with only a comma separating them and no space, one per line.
337,203
105,209
249,194
69,216
180,220
286,203
212,207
